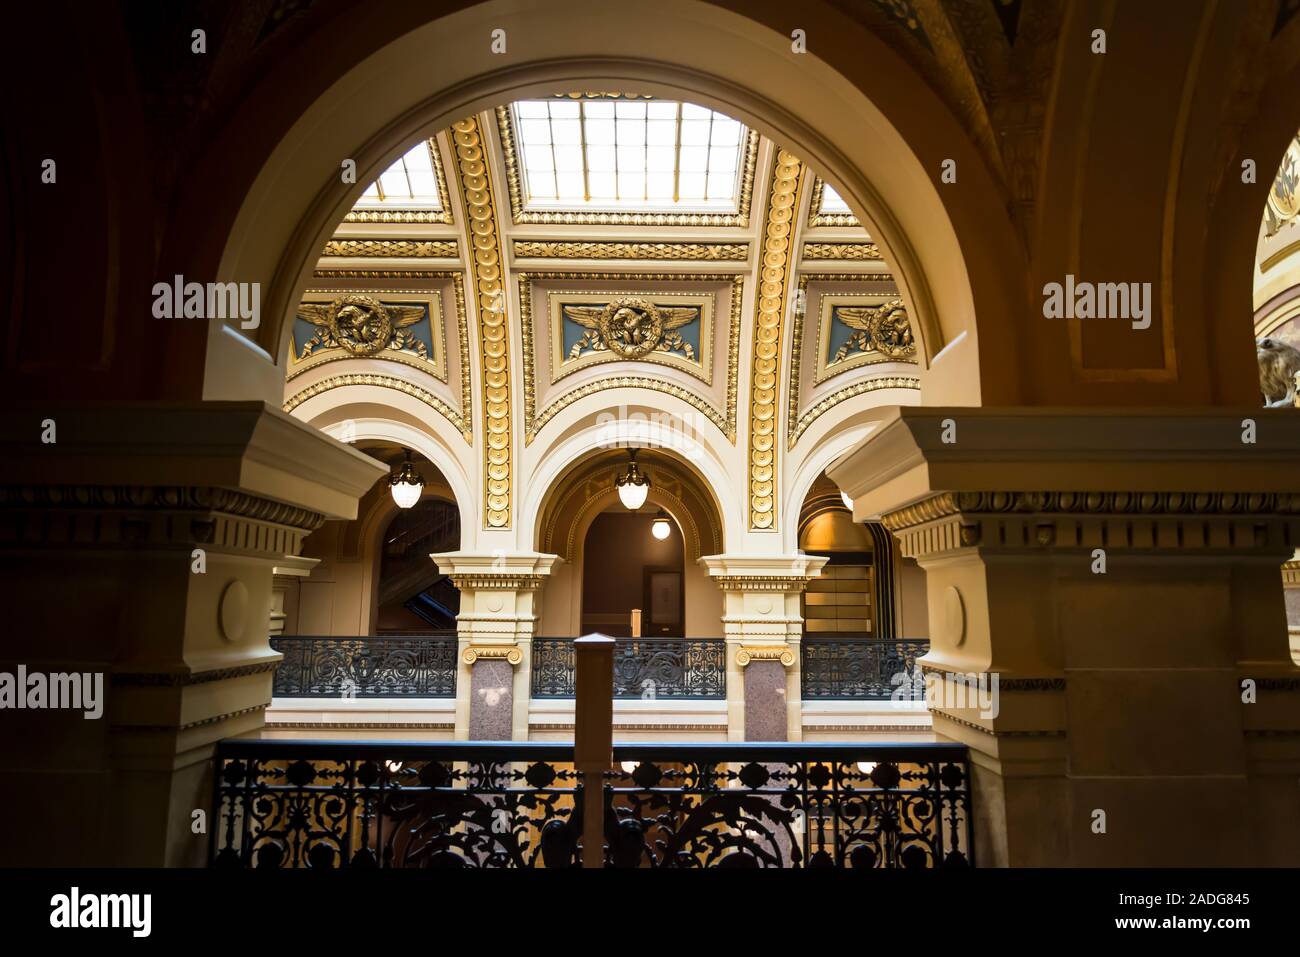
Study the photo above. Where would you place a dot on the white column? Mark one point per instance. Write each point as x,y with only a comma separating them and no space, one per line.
763,627
499,608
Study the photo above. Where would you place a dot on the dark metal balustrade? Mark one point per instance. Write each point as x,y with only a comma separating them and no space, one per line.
643,668
871,669
413,666
517,805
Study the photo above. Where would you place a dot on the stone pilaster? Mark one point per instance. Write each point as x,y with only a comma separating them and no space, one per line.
286,575
1117,574
499,608
1291,592
763,627
142,545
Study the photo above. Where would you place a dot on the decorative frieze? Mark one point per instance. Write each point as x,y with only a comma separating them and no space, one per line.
687,252
393,248
1182,521
842,252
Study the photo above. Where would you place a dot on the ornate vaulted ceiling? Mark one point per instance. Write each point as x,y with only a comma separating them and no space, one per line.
622,242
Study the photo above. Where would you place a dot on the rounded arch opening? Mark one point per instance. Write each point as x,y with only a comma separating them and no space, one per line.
382,104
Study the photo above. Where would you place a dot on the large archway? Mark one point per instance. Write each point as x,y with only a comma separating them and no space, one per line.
440,71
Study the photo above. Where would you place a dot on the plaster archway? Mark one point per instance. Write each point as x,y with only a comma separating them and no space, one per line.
440,71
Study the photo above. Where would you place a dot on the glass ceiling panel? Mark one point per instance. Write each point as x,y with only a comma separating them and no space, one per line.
411,181
628,153
832,202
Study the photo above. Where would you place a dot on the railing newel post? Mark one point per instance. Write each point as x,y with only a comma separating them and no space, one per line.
593,737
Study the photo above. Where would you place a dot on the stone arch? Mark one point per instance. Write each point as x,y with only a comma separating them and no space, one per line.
381,104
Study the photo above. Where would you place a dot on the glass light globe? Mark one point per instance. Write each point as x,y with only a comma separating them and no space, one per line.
661,528
630,766
633,496
406,484
866,767
848,502
633,485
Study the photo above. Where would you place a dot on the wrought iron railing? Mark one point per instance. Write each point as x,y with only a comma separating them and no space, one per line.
324,805
869,669
392,666
643,668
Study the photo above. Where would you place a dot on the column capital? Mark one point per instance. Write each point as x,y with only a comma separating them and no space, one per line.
500,571
771,573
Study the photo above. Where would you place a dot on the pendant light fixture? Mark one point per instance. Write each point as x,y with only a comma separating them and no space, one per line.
633,485
406,483
661,528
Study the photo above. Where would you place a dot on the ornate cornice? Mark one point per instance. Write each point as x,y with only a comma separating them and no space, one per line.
510,653
747,653
462,423
393,248
534,421
1182,521
774,276
150,498
520,215
842,252
166,679
487,264
691,252
1004,683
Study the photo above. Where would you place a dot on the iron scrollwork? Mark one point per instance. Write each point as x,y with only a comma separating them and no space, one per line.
643,668
863,668
419,666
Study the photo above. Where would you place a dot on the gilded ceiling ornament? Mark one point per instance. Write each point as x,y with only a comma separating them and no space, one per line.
489,287
1284,198
535,420
632,327
392,248
361,325
702,252
843,252
884,329
772,293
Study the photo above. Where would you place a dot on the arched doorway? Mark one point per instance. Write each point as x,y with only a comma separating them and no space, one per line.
372,575
632,579
611,560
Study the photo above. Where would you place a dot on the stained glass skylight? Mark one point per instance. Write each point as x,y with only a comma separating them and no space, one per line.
413,181
633,153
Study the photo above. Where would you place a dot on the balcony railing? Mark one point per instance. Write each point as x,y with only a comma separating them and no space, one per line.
322,805
862,668
643,668
393,666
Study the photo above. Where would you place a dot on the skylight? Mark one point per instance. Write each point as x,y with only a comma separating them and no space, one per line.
410,182
833,202
613,153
